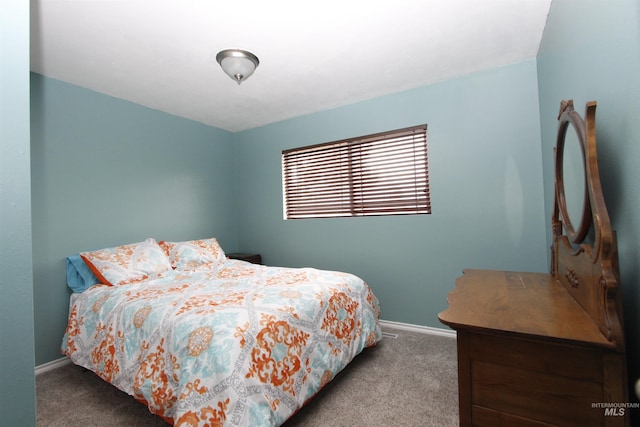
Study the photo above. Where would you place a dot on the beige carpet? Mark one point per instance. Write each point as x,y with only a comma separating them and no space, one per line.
410,380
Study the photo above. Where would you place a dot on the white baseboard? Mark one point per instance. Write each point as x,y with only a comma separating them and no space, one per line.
49,366
419,328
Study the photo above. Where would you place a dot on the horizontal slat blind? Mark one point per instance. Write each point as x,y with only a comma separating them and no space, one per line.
381,174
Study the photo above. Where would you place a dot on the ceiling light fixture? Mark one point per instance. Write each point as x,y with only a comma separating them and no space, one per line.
238,64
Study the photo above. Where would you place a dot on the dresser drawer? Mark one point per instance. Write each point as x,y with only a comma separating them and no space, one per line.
525,382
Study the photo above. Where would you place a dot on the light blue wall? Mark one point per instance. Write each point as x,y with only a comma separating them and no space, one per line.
486,184
17,385
107,172
591,51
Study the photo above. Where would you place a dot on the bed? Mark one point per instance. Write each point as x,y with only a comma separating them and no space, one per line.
206,340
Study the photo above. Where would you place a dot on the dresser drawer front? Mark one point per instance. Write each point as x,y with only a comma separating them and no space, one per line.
542,382
534,395
580,363
485,417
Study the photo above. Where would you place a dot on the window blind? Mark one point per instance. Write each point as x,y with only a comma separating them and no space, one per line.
380,174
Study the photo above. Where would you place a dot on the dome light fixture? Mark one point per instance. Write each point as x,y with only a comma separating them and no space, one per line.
237,63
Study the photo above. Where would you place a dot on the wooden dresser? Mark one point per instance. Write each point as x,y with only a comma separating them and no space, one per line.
537,349
529,355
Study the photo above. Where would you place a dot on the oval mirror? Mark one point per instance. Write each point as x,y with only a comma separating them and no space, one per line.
573,197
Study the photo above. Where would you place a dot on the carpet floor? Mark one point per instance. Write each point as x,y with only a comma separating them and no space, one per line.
406,381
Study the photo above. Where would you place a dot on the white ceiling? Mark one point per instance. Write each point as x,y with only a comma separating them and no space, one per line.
313,55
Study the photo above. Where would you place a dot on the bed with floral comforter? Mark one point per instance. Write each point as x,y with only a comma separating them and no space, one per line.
216,341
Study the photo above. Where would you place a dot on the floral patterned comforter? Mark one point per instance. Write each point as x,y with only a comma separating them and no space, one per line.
245,345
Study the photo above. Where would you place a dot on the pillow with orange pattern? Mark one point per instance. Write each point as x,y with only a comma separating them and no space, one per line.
122,265
192,255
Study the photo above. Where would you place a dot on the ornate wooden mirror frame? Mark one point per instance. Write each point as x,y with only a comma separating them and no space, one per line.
584,257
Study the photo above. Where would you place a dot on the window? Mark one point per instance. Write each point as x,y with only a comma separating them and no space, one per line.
380,174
